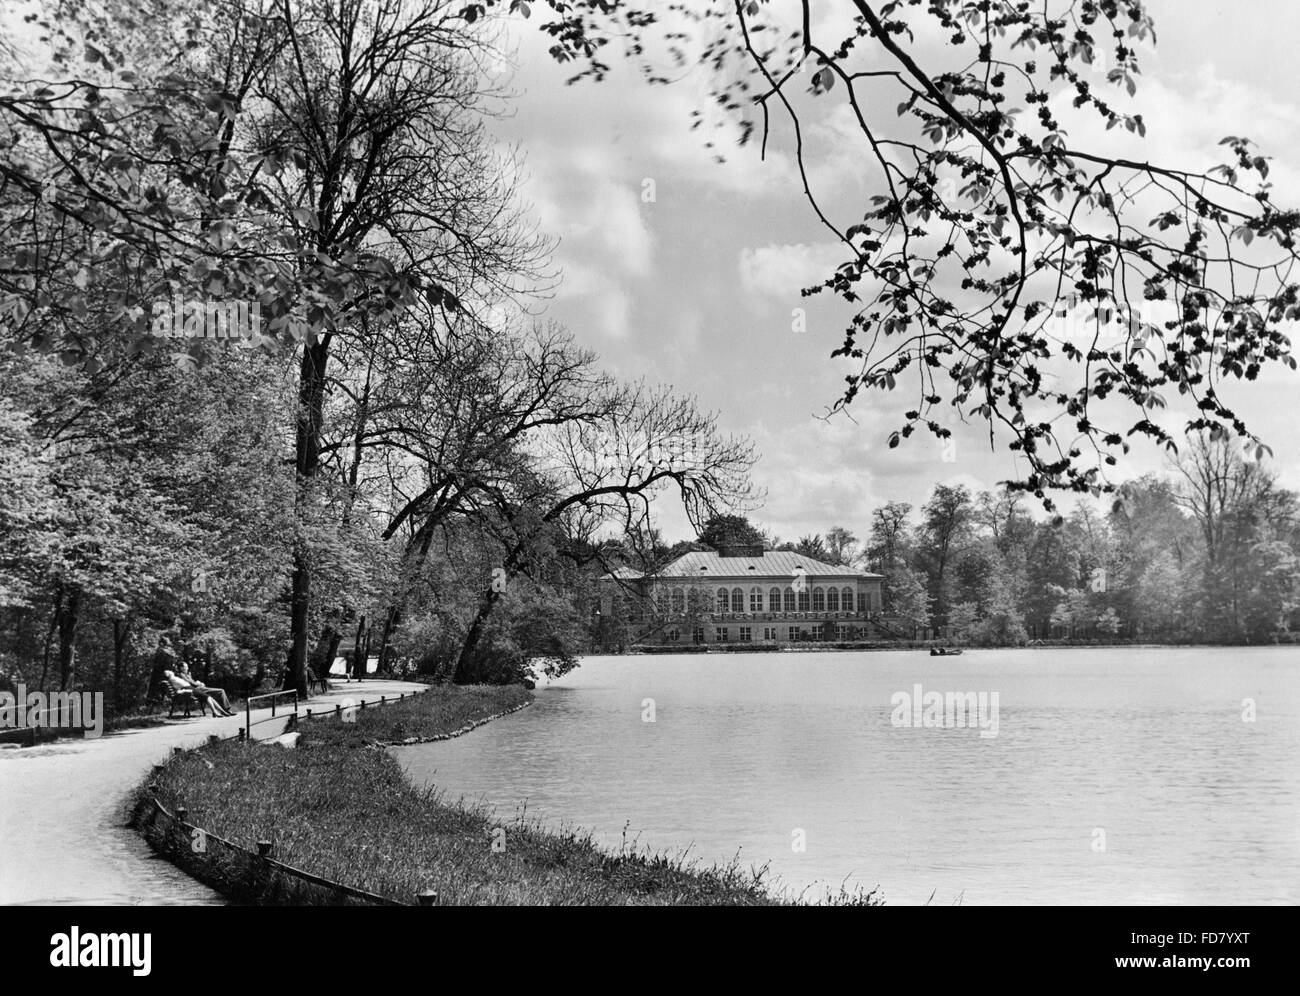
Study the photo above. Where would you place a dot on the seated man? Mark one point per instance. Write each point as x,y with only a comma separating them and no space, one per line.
215,696
178,689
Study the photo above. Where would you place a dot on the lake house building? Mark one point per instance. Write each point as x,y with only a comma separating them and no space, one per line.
739,595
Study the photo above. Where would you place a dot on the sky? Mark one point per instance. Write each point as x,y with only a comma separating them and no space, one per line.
694,286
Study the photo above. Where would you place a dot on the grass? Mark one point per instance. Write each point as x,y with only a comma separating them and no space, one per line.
340,807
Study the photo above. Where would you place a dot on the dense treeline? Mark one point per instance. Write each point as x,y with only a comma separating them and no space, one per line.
1206,552
273,390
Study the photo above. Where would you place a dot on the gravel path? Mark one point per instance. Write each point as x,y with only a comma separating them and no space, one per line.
63,810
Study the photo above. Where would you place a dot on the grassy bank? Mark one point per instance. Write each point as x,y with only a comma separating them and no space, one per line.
339,807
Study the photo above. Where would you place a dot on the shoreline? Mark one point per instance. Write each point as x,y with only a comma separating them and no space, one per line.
348,826
468,727
833,648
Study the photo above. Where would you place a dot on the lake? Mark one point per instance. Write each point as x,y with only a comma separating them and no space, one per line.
1111,775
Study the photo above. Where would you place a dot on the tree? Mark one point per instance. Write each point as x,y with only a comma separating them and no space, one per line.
812,546
731,530
839,545
889,545
963,620
988,217
945,529
1161,589
908,597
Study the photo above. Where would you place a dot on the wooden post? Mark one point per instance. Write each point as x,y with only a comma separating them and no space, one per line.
428,898
213,739
263,848
181,813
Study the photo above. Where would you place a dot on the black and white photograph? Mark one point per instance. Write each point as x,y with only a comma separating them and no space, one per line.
620,453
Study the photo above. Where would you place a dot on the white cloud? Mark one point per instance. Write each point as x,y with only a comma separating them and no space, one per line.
782,271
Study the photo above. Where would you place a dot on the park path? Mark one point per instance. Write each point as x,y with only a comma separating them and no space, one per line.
63,838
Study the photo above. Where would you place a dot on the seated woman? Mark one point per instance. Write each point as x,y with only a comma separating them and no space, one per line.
216,697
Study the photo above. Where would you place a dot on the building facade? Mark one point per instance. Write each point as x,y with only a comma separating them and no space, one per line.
739,595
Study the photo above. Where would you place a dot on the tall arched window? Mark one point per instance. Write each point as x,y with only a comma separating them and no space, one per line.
832,600
737,600
846,598
819,600
789,600
693,600
661,601
774,600
616,609
803,600
755,599
722,600
679,601
864,605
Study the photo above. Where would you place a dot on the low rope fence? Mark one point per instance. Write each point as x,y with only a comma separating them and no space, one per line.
253,869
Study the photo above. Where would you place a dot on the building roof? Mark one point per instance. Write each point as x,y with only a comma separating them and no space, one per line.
622,574
773,563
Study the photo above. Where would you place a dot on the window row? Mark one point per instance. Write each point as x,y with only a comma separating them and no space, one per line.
678,601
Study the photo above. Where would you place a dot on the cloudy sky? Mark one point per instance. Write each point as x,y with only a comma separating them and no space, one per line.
696,287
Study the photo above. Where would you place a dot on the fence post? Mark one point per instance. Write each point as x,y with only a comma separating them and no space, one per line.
242,734
263,848
428,898
213,739
248,720
338,711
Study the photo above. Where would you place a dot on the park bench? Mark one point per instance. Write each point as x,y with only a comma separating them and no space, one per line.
174,699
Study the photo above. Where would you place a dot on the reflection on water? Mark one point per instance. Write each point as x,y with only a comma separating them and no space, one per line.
1116,776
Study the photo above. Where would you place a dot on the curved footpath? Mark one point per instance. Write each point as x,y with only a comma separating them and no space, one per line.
63,838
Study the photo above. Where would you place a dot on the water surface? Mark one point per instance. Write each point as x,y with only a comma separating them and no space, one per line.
1117,775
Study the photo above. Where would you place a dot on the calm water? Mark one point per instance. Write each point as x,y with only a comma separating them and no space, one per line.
1147,747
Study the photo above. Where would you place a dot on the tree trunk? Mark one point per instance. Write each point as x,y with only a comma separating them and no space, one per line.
486,605
358,661
390,620
49,633
121,630
311,394
68,620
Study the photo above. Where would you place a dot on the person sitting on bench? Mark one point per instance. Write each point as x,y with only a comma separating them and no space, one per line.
205,695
